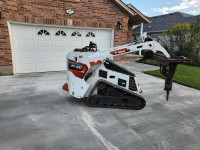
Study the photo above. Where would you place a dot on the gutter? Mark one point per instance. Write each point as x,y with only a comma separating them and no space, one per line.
150,32
139,13
132,10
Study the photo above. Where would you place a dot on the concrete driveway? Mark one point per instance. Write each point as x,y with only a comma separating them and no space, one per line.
36,114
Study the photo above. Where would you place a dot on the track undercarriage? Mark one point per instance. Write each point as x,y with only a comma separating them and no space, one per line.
109,95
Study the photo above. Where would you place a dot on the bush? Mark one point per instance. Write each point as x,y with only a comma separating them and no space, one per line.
196,60
147,54
184,40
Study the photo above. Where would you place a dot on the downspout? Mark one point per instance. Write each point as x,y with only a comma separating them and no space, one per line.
141,32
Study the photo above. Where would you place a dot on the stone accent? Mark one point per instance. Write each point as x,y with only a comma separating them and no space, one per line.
6,70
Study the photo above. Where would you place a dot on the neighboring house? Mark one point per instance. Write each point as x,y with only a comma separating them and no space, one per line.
35,35
162,23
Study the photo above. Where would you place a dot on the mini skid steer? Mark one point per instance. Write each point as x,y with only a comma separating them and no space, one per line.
93,74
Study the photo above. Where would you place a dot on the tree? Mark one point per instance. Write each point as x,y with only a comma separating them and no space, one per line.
195,38
184,39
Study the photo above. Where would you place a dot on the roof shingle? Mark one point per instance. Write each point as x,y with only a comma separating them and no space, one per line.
164,22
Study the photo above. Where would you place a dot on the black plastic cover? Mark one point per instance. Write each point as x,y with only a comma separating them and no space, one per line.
111,65
122,82
103,74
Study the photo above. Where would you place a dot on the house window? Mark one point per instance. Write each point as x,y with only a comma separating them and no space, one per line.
61,33
90,34
43,32
76,33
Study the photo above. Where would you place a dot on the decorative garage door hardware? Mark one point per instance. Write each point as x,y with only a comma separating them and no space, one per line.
61,33
90,34
76,33
43,32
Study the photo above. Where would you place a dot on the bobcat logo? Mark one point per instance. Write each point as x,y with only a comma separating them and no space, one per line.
75,66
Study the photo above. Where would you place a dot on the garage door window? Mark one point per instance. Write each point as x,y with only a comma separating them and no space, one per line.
76,33
43,32
90,34
61,33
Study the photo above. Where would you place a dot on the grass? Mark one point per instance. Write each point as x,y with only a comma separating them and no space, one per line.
149,61
185,75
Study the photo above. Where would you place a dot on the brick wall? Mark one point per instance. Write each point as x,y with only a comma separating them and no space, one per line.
88,13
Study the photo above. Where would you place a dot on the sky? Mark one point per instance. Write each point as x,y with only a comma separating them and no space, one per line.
159,7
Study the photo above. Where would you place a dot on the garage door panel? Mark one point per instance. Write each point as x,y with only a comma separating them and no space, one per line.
23,55
61,44
103,44
25,61
75,44
22,31
24,43
25,67
46,66
103,35
59,60
45,55
87,42
103,48
44,44
24,49
63,50
60,55
47,49
60,66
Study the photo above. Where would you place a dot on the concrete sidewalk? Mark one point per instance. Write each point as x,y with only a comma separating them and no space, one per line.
35,113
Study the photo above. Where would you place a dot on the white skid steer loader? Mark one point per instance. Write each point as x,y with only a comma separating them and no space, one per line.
93,74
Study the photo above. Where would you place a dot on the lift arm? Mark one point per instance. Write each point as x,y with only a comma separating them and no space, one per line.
167,63
128,48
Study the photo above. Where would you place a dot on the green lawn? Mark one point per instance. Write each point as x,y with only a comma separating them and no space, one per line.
149,61
185,75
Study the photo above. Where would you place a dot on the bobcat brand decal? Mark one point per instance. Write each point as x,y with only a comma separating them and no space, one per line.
75,66
78,69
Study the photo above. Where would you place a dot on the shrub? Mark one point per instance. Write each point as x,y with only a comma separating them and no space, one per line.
184,40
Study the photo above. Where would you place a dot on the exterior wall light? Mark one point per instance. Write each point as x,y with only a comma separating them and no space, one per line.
119,25
69,11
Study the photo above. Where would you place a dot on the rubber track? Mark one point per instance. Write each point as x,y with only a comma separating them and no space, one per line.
108,105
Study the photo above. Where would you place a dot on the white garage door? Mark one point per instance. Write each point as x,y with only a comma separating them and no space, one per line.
41,49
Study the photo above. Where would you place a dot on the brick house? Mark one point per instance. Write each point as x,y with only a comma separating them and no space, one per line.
35,35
